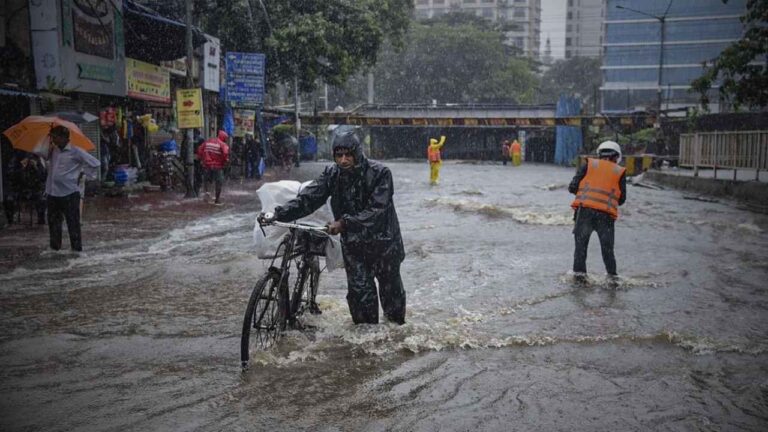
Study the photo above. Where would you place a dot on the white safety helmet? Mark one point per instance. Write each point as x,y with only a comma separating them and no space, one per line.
609,148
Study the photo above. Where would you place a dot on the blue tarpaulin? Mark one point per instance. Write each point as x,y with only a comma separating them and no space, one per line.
569,140
308,146
228,125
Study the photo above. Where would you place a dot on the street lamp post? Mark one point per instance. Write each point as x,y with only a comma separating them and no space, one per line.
662,21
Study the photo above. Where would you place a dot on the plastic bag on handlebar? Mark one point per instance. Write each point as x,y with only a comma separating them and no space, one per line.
274,194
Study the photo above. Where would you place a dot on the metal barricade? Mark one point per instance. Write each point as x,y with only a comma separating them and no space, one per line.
725,150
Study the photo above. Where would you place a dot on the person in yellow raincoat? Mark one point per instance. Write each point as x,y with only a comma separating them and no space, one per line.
516,151
435,161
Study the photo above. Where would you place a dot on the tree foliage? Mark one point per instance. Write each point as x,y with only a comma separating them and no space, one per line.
577,76
461,63
741,69
315,40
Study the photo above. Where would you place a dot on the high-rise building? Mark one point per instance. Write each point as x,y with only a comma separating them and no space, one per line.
584,28
653,49
524,14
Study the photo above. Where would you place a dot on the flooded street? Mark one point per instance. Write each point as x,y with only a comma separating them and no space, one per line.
142,330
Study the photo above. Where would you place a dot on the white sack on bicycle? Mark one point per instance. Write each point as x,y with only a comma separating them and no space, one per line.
278,193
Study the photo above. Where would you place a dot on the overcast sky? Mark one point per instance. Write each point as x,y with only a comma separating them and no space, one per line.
553,25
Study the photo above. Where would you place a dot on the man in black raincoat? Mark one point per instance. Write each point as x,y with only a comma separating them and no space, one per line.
361,199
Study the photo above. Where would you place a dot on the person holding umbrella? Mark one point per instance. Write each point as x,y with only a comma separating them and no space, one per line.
67,164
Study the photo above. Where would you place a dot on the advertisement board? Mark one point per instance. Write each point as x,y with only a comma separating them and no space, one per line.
244,122
147,81
78,45
189,108
211,59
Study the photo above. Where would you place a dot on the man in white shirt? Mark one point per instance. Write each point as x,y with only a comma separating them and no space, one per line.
66,165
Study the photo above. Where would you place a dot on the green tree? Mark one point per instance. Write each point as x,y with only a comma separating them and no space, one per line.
577,76
462,63
741,69
325,40
330,39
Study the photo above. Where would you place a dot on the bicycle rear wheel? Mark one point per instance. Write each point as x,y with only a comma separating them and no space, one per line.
264,317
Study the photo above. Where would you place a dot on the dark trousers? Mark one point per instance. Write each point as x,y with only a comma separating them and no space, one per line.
361,290
588,220
66,207
217,177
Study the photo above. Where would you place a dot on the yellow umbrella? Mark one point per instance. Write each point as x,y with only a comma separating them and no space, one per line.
32,134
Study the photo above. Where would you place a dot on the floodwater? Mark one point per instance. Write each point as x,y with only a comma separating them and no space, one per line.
142,332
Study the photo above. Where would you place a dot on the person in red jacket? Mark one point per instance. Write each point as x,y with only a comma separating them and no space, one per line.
214,156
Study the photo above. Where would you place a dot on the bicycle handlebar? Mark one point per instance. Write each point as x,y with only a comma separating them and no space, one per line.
293,225
301,226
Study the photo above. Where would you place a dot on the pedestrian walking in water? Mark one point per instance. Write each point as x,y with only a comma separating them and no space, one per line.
600,187
435,159
517,153
214,156
67,165
505,152
361,200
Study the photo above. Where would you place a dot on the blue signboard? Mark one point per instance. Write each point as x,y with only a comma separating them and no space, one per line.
245,78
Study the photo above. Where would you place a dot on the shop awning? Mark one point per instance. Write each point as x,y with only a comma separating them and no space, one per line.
153,38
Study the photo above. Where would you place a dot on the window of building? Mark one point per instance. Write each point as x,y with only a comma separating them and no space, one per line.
567,41
570,3
519,13
438,2
487,1
570,15
488,13
469,1
422,2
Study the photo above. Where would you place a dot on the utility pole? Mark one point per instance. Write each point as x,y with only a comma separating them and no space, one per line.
190,163
662,22
296,104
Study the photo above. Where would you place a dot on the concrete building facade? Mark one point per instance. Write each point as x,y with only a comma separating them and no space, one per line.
584,28
524,14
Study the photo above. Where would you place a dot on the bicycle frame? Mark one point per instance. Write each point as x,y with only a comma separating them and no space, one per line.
289,255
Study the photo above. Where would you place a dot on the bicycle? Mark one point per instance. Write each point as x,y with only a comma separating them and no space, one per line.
273,306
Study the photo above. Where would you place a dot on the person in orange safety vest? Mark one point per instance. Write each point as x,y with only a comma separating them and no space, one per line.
600,187
435,161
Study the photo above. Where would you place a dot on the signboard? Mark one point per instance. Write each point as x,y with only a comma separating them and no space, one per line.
245,78
176,67
189,108
147,81
211,59
77,45
244,122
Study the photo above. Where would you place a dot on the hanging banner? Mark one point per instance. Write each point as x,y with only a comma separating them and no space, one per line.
189,108
147,81
244,122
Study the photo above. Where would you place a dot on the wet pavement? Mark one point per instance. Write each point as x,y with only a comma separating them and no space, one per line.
142,330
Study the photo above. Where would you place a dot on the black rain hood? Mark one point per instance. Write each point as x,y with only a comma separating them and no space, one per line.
351,142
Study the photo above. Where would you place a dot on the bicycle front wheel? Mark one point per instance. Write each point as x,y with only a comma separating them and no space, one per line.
264,317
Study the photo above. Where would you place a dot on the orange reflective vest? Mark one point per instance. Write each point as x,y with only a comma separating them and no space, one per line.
515,148
433,154
600,189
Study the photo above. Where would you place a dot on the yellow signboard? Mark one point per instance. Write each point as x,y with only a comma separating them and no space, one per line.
147,81
189,108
